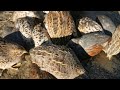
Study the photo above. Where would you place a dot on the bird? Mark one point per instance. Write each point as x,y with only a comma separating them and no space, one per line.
59,61
10,53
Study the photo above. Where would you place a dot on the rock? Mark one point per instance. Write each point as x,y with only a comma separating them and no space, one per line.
107,24
87,25
60,24
92,43
40,35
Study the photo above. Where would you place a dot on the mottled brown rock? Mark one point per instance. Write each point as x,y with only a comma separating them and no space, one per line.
32,30
57,60
87,25
59,24
40,35
25,25
106,23
92,43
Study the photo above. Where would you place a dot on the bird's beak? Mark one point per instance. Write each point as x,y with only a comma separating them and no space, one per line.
25,51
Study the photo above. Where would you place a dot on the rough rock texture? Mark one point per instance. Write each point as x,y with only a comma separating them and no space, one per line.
92,43
40,35
60,26
87,25
107,24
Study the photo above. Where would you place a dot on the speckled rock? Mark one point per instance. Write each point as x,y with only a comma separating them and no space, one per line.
87,25
25,25
40,35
